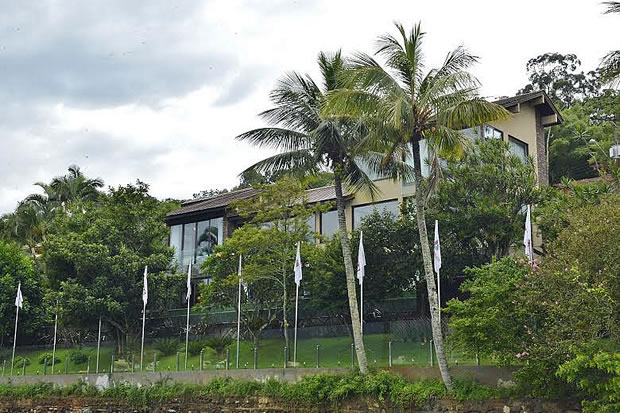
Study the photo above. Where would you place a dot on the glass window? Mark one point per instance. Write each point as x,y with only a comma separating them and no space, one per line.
176,233
490,132
311,222
361,212
210,234
329,223
189,240
424,160
518,148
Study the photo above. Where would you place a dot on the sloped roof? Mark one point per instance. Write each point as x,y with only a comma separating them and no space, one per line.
206,204
548,106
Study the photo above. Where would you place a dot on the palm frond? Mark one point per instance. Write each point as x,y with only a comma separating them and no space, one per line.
473,112
610,68
296,160
612,7
275,138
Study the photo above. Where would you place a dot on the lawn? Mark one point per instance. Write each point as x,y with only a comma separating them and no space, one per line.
333,352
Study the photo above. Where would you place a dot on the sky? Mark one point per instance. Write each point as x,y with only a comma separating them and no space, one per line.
157,90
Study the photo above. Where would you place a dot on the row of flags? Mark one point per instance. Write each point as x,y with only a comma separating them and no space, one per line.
298,270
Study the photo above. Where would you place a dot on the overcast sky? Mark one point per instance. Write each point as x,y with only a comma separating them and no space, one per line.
156,90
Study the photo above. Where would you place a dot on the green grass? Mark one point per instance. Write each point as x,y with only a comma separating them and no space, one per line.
334,352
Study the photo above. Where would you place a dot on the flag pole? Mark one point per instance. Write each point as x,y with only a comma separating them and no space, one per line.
98,346
439,295
361,264
14,339
142,345
295,340
188,296
362,306
55,331
238,313
437,265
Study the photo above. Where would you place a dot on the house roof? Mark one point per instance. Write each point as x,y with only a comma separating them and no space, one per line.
222,201
540,99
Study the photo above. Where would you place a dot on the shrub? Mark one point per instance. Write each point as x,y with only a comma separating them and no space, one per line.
47,358
218,343
20,361
78,357
166,346
195,347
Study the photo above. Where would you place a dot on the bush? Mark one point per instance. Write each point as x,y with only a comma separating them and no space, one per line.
218,343
47,358
78,357
166,346
195,347
20,361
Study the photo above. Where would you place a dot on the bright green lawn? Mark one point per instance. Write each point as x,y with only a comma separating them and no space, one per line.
334,352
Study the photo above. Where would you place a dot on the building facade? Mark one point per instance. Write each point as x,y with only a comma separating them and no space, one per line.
202,224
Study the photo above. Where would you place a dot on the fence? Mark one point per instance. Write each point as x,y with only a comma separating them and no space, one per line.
393,343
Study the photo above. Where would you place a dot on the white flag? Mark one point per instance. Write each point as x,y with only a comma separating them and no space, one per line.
298,265
243,283
145,287
189,282
19,300
361,261
437,249
527,236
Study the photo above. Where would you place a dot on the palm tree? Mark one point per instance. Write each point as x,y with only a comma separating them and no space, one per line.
310,142
410,104
610,65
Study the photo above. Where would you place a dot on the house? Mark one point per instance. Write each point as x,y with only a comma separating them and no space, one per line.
201,224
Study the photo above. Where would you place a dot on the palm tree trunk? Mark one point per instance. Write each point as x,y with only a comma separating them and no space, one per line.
348,268
428,269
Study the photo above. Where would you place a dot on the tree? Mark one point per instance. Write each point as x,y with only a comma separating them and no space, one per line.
610,65
16,267
558,76
480,199
550,316
310,142
283,209
405,105
96,255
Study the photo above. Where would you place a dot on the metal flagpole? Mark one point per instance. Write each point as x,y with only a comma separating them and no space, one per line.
362,306
439,295
142,346
18,303
188,296
14,339
361,264
239,314
298,276
55,331
98,346
145,297
437,265
296,308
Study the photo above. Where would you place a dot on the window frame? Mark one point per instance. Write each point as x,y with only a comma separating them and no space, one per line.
321,223
494,129
353,207
512,139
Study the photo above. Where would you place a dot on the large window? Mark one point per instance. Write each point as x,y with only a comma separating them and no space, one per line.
329,223
424,160
518,148
361,212
489,132
195,241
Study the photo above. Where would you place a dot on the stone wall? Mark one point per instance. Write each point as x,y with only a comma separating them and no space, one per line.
264,404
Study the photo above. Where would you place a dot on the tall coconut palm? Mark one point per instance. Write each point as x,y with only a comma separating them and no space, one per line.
310,142
416,104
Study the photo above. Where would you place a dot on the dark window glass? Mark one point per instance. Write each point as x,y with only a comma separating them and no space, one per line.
489,132
361,212
518,148
329,223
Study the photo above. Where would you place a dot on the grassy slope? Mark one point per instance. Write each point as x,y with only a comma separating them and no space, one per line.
334,352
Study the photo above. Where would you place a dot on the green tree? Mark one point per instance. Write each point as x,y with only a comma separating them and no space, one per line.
96,255
309,142
480,199
283,211
406,104
559,76
16,267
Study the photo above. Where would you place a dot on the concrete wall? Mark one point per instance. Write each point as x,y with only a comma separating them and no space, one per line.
484,374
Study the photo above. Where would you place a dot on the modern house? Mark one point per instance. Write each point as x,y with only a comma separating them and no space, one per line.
201,224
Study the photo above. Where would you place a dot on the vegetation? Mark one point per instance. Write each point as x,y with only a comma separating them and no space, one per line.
309,391
406,105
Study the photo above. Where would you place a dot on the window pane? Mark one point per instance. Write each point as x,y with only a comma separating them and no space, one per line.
311,222
329,223
361,212
189,236
219,224
175,241
518,148
490,132
425,167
